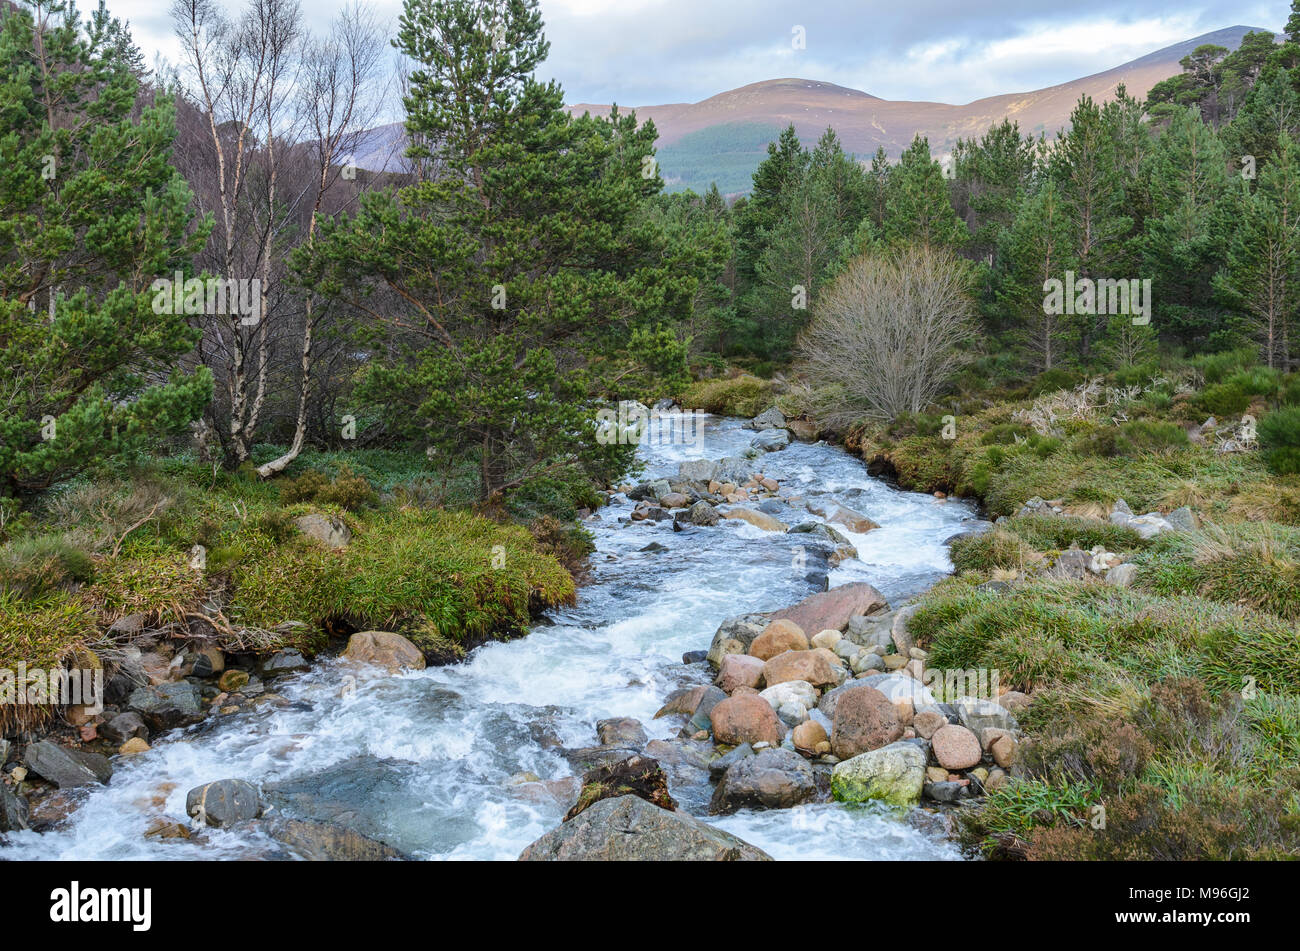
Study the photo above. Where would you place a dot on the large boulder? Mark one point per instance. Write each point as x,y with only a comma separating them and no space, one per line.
746,719
698,470
818,667
774,779
771,418
735,635
703,514
393,652
326,842
831,610
123,727
865,720
758,519
15,814
777,638
853,521
224,802
739,670
327,530
893,774
634,776
67,768
771,440
621,731
630,829
167,706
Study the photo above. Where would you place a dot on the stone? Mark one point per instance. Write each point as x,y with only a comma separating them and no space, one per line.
702,718
1004,750
777,638
232,681
829,640
621,731
899,632
996,779
893,774
167,706
630,829
739,670
695,657
976,715
327,530
719,766
792,691
392,652
809,736
1013,701
314,841
675,500
698,470
209,661
864,720
1072,565
704,514
947,791
899,686
746,719
1122,576
818,667
682,701
134,746
735,635
288,661
15,813
770,418
224,802
67,768
936,774
637,775
803,430
771,440
956,747
831,610
928,722
759,520
1182,520
123,727
772,779
853,521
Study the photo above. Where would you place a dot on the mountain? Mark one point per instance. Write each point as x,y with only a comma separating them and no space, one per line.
725,137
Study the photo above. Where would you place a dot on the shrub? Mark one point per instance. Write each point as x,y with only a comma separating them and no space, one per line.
1279,437
37,566
1057,378
742,395
1216,367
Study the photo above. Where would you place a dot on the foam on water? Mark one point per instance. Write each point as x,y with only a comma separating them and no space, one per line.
425,761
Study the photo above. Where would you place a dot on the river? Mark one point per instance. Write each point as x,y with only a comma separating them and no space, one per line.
429,762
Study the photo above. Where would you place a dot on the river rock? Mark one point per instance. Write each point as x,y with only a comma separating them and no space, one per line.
328,842
682,701
854,521
209,661
818,667
704,514
621,731
739,670
770,418
392,652
224,802
829,640
865,719
956,747
675,500
288,661
167,706
773,779
771,440
634,776
630,829
328,530
719,766
735,635
777,638
809,736
735,470
928,722
791,692
15,814
759,520
702,718
1122,576
1013,701
746,719
123,727
893,774
831,610
899,632
67,768
898,687
978,715
698,470
233,681
947,791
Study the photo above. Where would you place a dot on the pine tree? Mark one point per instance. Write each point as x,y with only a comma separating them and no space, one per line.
517,284
1035,249
918,208
93,214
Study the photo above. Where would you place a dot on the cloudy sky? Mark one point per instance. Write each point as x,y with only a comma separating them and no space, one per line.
647,52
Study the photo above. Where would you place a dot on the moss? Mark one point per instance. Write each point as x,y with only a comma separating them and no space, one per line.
742,395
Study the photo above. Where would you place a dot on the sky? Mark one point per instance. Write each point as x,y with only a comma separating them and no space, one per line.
649,52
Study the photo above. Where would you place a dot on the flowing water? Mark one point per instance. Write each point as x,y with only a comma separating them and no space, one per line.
430,762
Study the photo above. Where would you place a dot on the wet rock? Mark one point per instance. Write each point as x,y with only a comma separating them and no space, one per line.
771,418
772,779
327,842
735,635
134,746
777,638
704,514
15,814
224,803
675,500
209,662
831,610
746,719
766,522
956,747
630,829
392,652
167,706
621,731
123,727
232,681
67,768
289,661
865,720
947,791
821,530
702,717
325,529
771,440
719,766
695,657
638,776
739,670
854,521
698,470
893,774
